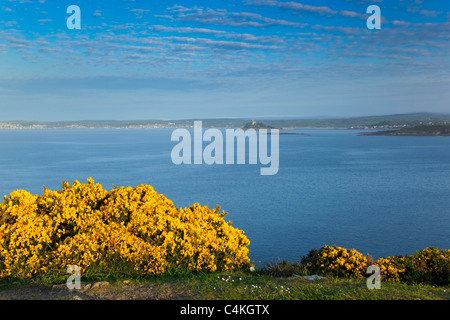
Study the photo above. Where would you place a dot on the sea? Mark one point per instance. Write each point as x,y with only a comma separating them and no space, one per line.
380,195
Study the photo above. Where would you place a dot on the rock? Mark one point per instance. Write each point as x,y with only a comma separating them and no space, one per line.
313,277
77,298
100,284
86,287
59,286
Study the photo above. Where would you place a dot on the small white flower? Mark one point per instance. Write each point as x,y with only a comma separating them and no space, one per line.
252,269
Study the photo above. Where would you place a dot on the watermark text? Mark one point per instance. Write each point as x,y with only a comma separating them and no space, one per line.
232,151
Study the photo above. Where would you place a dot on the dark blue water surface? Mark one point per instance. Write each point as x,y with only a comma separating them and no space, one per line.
380,195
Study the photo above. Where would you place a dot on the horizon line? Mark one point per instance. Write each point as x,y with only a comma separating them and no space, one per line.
260,118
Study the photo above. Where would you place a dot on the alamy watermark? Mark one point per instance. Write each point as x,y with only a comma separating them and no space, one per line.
215,153
374,281
74,281
374,21
74,21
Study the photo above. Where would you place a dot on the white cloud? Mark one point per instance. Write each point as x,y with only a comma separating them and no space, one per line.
186,30
139,12
297,6
224,17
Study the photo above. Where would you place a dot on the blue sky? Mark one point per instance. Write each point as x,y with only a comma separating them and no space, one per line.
213,59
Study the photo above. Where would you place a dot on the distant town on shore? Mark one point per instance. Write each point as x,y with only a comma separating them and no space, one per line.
398,124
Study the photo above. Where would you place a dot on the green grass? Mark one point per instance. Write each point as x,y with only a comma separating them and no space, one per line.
236,285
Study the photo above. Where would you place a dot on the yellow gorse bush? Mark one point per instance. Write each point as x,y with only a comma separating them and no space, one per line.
391,268
85,225
337,261
430,265
431,258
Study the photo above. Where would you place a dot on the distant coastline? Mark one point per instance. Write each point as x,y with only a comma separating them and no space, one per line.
385,123
423,130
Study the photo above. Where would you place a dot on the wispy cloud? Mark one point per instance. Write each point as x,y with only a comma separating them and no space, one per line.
139,12
224,17
297,6
186,29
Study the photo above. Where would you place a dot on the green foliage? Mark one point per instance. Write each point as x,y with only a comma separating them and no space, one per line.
284,269
428,266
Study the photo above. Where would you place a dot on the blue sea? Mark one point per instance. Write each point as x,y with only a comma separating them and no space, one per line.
380,195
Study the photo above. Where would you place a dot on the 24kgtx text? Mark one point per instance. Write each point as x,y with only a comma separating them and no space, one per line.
237,309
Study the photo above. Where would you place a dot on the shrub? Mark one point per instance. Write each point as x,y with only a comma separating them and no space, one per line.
335,261
392,268
135,227
429,265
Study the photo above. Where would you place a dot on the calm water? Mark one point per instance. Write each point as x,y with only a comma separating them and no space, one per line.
379,195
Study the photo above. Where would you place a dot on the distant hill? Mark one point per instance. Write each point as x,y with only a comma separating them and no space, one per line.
369,122
424,130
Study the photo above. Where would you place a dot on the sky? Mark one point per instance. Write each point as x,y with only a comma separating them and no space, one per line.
136,59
